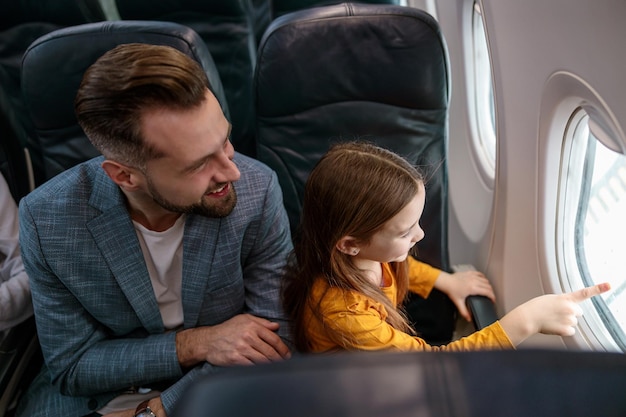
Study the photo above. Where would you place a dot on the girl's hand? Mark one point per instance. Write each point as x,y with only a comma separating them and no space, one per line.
460,285
555,314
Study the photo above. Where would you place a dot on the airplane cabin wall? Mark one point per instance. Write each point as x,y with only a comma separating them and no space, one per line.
504,227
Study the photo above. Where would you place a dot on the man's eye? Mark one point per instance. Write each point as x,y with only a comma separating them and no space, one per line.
199,167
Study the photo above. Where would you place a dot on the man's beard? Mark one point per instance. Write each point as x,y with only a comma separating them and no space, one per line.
223,207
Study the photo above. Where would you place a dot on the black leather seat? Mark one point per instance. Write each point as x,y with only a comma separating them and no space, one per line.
370,72
21,22
13,161
423,384
67,53
60,12
228,30
15,124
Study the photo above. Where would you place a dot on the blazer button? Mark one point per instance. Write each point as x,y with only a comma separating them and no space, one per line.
92,404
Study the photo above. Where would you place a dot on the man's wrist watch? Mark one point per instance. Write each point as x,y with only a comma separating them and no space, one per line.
143,410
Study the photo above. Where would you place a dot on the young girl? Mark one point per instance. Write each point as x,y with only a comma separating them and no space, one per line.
352,268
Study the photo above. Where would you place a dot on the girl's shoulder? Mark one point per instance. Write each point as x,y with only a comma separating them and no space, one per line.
336,299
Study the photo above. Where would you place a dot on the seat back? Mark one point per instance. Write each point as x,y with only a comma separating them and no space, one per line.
228,30
53,67
13,162
376,73
443,384
21,23
60,12
16,127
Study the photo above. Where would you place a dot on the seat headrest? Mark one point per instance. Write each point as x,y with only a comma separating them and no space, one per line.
349,42
356,72
53,67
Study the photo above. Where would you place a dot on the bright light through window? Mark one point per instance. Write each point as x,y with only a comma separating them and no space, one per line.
594,225
484,109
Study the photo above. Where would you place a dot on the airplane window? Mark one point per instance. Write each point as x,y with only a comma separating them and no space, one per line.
594,229
483,108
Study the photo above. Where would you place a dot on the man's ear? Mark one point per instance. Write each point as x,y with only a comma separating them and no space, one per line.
126,177
348,245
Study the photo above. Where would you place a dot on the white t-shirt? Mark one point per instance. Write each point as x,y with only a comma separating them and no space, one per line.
163,252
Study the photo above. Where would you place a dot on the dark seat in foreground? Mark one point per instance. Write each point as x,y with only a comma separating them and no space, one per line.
423,384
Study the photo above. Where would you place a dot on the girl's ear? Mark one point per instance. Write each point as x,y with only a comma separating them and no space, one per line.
348,245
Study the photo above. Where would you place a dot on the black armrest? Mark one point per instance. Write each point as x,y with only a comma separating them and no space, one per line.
12,347
20,360
483,311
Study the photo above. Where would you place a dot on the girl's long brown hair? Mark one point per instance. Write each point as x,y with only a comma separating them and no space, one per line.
352,191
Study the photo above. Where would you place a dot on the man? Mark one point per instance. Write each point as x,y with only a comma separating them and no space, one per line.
147,267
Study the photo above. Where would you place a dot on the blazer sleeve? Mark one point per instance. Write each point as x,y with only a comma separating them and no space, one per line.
264,266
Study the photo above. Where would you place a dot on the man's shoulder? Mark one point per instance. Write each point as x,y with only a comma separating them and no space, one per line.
254,174
251,165
73,183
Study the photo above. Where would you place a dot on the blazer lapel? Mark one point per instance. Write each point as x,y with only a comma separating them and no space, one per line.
115,235
199,245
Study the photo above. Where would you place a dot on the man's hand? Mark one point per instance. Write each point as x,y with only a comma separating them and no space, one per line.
242,340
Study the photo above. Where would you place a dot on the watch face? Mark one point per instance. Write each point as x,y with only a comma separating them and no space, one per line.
145,413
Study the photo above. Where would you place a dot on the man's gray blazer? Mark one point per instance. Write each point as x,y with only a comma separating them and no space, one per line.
97,317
